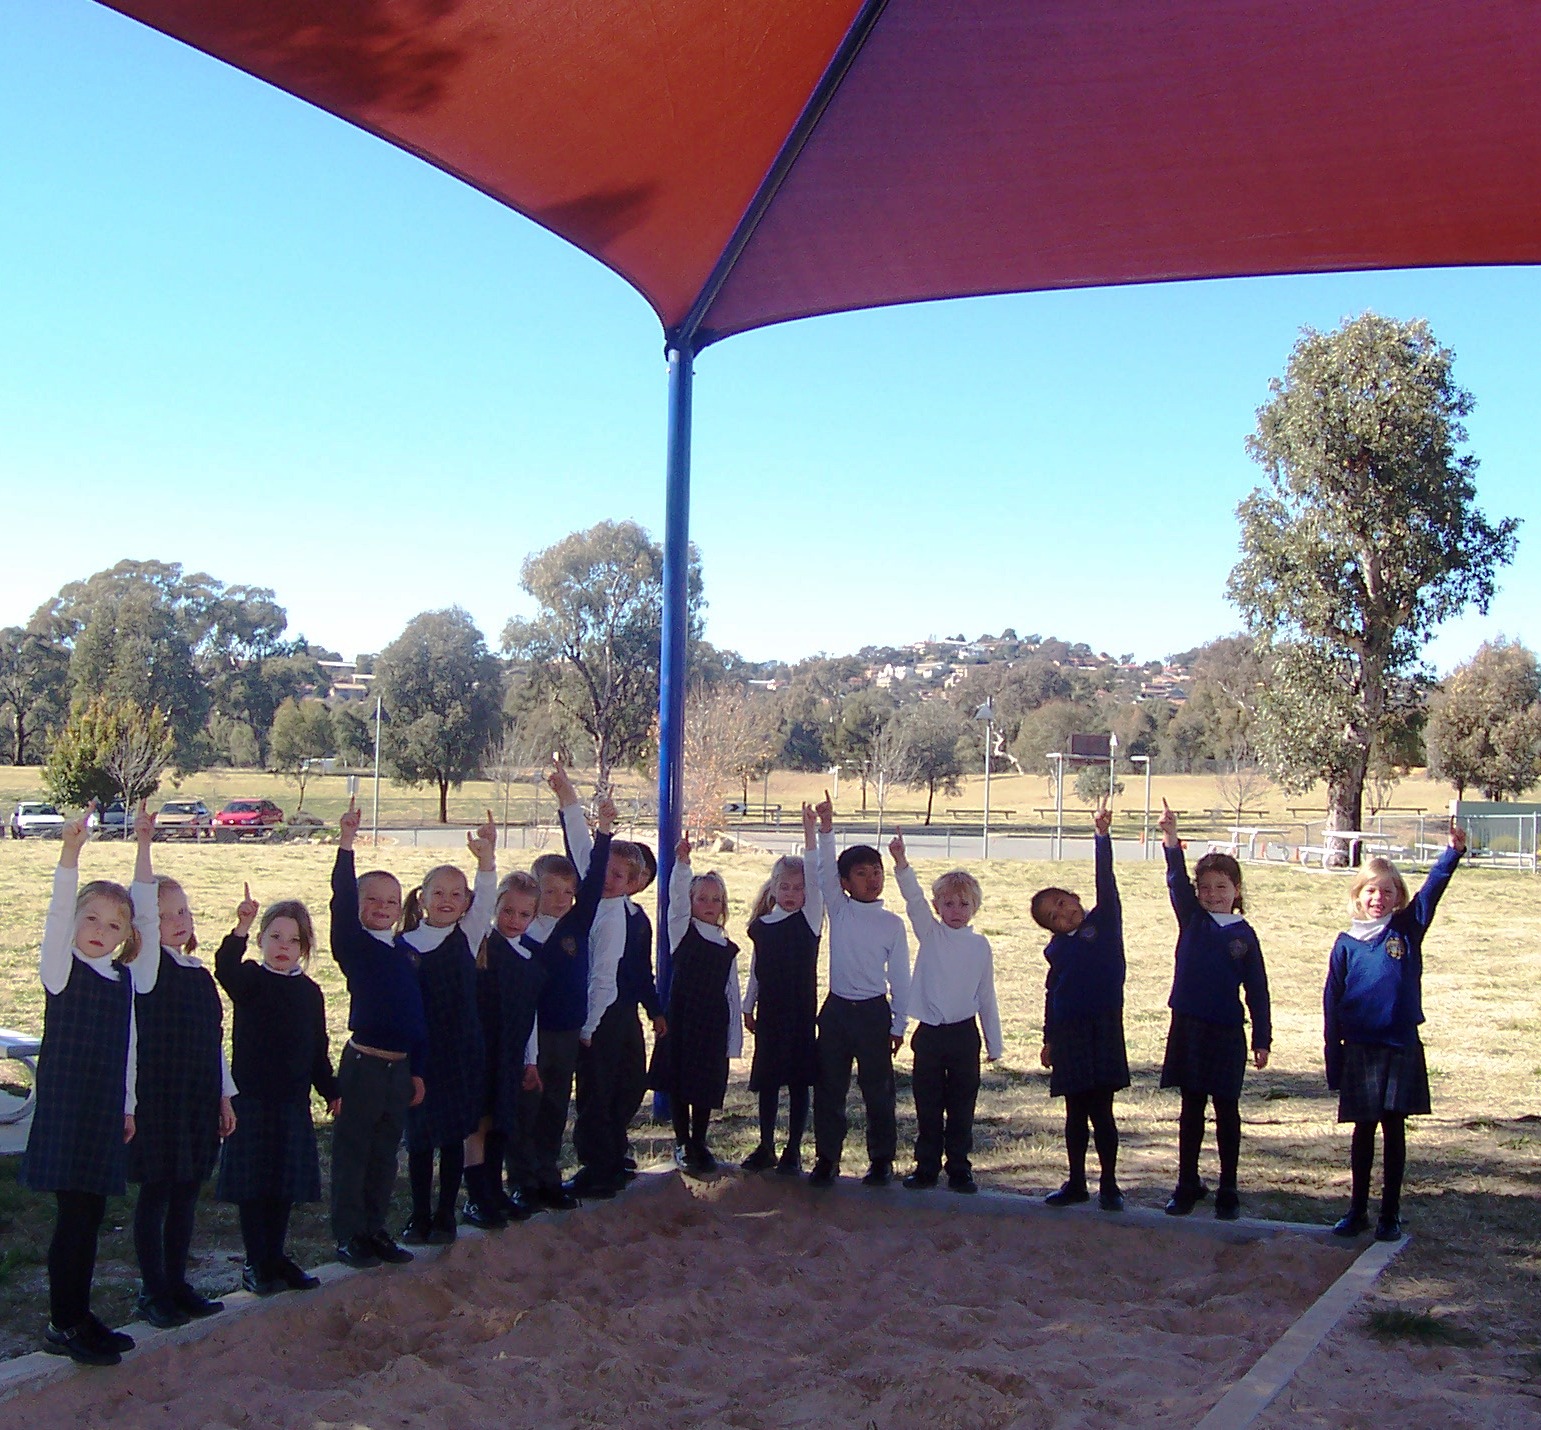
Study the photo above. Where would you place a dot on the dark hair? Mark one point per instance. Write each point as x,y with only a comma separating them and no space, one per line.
856,857
649,862
291,909
1218,863
1040,899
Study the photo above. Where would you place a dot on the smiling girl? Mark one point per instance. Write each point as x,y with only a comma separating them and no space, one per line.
1218,956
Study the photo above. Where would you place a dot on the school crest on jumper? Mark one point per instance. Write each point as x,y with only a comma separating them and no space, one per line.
1395,946
570,946
1089,932
1237,948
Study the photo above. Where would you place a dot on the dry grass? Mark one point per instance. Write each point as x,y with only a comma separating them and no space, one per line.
1473,1177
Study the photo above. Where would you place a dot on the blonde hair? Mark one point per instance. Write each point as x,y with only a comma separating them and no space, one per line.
518,882
630,855
959,881
711,877
765,900
163,882
412,909
1378,868
106,889
291,909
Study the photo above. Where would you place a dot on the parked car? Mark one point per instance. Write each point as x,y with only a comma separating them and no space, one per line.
34,819
247,818
184,819
113,821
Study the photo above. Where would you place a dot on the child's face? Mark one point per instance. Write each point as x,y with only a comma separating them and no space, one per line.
708,904
1217,894
558,894
953,907
102,926
281,947
379,903
1378,898
176,917
864,883
515,913
617,878
636,880
446,898
789,891
1063,913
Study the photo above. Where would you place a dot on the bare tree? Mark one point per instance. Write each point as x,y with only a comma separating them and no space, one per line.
729,734
1239,778
894,764
515,758
137,756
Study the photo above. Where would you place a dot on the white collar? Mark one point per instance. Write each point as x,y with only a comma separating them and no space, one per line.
1226,920
1368,930
187,960
103,967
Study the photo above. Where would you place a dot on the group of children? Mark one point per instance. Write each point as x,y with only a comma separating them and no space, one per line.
479,1012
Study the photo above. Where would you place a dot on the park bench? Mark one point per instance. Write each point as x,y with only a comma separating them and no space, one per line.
21,1048
976,816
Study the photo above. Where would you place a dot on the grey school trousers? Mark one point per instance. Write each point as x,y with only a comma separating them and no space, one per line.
855,1031
946,1086
365,1136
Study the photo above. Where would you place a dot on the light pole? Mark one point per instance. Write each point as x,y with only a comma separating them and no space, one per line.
377,774
987,714
1112,767
1144,828
1059,802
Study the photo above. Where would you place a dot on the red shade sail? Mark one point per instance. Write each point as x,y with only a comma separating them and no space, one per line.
743,162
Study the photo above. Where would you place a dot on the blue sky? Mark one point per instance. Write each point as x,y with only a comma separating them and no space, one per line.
239,334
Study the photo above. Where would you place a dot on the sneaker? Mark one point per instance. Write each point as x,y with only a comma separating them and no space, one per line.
1071,1194
358,1252
879,1174
1388,1228
184,1298
415,1232
258,1282
1110,1198
101,1335
520,1205
1185,1198
762,1159
1352,1223
919,1181
963,1183
387,1250
1227,1204
790,1163
490,1219
294,1276
824,1173
159,1311
78,1346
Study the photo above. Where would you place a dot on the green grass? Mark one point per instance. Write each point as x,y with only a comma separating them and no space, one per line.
1394,1323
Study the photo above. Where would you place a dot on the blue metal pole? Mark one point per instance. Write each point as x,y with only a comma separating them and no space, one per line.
673,672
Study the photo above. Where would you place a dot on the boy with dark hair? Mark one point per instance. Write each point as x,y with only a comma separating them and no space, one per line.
863,1017
636,988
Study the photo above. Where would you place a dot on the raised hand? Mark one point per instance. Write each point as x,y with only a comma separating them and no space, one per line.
825,809
144,824
1167,825
560,785
606,816
483,843
245,912
348,825
1457,837
682,849
810,824
75,835
1102,820
896,848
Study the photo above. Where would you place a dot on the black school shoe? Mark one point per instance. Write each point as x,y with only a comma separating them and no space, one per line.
485,1218
1227,1204
1070,1194
387,1250
556,1200
415,1232
358,1252
184,1298
962,1182
823,1174
259,1282
294,1276
919,1181
1185,1198
101,1335
78,1344
520,1205
762,1159
159,1311
790,1163
1355,1222
879,1174
1388,1228
1110,1198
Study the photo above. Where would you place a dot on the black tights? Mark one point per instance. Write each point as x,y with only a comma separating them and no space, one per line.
1090,1114
163,1234
72,1257
690,1123
1393,1163
1190,1137
797,1116
452,1161
264,1230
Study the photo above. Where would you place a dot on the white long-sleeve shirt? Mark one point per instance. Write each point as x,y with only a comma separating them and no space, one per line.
812,912
679,925
869,956
476,924
58,953
607,938
954,969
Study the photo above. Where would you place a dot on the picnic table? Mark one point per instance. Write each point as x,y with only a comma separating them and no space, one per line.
1248,833
976,816
22,1048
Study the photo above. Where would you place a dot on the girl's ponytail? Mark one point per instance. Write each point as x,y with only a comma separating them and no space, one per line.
412,910
763,903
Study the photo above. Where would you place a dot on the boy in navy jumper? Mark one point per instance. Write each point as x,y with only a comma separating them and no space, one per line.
380,1072
863,1018
1083,1020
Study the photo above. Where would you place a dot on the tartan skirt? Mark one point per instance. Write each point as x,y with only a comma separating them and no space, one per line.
1378,1079
1205,1057
271,1153
1089,1053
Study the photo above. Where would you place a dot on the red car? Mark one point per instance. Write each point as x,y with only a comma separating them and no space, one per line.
247,817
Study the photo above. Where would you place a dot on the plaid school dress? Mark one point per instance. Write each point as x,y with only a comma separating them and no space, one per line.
454,1076
690,1062
786,970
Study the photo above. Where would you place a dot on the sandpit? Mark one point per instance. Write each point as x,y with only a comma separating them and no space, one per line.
747,1303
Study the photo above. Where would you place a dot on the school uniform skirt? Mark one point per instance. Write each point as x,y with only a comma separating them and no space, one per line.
1089,1053
271,1153
1378,1079
1205,1057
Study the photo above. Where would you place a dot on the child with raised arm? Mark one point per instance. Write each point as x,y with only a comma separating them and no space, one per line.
184,1089
270,1160
863,1017
637,992
781,1003
690,1062
1218,956
84,1116
443,924
380,1072
1373,1008
952,992
1083,1020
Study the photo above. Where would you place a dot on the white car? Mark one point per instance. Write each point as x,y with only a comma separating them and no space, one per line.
33,819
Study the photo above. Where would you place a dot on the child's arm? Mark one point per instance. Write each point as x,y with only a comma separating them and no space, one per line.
346,928
1102,844
145,897
922,920
1254,980
1426,900
231,971
813,888
989,1009
131,1075
751,993
483,843
679,893
575,828
735,1012
1046,1053
1179,887
592,885
323,1076
898,986
54,956
1332,997
826,867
